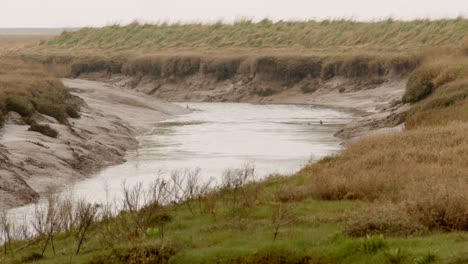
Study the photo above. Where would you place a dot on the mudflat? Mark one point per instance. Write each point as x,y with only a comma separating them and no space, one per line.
110,120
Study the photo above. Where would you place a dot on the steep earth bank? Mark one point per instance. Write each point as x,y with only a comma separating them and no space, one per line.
110,120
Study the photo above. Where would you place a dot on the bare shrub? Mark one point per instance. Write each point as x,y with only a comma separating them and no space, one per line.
6,231
46,222
282,214
85,216
238,189
145,208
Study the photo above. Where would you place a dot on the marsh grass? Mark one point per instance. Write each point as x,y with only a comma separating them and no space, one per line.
389,33
26,88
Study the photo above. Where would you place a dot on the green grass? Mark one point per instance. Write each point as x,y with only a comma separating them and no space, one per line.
390,34
315,237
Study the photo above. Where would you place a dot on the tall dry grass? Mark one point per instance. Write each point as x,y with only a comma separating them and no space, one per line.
388,167
27,88
389,34
422,169
425,169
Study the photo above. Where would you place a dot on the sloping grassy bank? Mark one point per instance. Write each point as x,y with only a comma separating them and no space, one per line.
27,88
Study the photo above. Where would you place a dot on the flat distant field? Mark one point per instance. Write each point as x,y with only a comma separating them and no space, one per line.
33,31
14,43
14,39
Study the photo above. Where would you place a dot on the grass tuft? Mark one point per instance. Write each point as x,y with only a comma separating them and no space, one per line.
371,244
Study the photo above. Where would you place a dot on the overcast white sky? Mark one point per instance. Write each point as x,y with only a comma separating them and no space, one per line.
76,13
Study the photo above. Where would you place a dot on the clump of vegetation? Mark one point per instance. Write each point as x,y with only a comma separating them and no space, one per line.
427,79
371,244
26,88
20,105
427,258
388,220
43,129
394,256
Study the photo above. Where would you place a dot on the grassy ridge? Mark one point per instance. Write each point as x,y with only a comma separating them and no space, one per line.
285,50
388,34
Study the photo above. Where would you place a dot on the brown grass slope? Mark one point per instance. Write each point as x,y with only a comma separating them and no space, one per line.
423,169
27,88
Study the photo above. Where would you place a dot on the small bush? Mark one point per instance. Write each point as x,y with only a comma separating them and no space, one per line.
57,111
371,244
72,111
419,85
44,129
425,80
20,105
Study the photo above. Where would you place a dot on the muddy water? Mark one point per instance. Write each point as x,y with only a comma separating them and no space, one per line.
215,136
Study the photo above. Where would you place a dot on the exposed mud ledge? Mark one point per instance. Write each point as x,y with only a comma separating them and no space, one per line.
31,163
